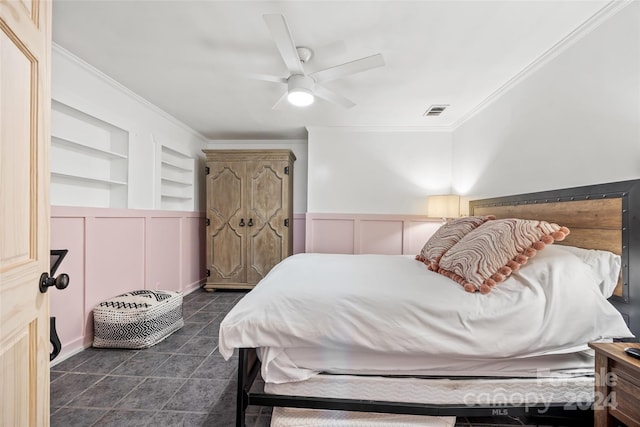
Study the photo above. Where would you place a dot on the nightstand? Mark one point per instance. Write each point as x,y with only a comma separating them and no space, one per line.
617,386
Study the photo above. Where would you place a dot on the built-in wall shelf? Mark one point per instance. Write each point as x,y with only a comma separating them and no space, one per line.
89,160
170,165
174,196
73,145
175,181
177,176
86,179
176,191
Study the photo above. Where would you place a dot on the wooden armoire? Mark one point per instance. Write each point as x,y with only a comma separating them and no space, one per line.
249,215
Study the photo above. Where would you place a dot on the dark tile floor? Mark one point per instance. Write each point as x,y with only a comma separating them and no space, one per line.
182,381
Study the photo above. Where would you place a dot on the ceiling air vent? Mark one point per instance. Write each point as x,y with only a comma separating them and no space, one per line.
435,110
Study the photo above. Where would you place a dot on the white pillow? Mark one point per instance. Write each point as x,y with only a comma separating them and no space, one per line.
605,264
576,310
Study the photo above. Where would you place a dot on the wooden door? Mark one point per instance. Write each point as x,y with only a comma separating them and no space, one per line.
226,232
25,45
268,209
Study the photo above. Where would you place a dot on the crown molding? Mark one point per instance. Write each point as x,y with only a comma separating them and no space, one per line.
124,90
232,142
381,128
606,12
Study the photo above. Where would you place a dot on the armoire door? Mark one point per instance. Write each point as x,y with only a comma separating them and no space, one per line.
268,212
25,99
227,223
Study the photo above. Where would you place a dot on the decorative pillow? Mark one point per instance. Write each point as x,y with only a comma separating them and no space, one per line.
488,254
446,236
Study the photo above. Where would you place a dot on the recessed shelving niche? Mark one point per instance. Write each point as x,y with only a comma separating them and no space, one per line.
89,160
176,180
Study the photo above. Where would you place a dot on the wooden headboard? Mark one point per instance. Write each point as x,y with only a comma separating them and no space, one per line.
604,216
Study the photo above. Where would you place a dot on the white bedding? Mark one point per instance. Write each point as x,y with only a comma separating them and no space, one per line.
393,304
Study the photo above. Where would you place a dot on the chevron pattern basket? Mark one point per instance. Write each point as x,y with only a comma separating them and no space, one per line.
137,319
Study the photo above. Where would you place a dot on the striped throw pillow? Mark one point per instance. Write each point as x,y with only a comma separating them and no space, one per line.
446,236
488,254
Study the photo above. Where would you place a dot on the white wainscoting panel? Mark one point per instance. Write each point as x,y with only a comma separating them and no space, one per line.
113,251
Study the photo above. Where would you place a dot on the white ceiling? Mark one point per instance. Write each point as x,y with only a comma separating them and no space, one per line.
193,58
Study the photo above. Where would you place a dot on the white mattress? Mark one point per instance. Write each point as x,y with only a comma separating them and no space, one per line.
297,417
441,391
355,362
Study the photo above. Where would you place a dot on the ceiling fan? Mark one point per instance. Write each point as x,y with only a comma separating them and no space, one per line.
302,88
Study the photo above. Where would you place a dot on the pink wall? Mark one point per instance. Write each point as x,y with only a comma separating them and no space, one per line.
368,233
298,232
112,251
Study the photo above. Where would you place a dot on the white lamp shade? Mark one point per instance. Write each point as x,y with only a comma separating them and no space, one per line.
443,206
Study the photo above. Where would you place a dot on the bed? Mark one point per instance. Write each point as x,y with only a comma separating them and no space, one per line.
334,356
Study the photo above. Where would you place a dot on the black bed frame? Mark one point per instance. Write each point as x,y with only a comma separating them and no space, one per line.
563,413
249,366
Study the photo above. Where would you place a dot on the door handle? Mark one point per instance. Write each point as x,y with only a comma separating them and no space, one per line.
250,224
241,222
60,282
54,339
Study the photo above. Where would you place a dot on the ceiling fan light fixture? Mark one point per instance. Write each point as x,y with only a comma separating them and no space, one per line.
300,90
300,98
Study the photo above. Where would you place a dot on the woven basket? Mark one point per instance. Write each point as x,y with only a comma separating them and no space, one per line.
137,319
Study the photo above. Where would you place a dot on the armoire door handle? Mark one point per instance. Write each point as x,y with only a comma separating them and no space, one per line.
241,222
250,224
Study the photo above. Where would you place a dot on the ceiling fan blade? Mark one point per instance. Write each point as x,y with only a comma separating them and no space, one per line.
280,101
328,95
284,42
265,77
348,68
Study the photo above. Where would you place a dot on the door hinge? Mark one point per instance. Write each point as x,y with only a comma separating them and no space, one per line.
207,170
208,222
286,170
286,222
208,273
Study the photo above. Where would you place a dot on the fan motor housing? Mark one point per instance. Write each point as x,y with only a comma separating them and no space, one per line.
300,91
299,82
